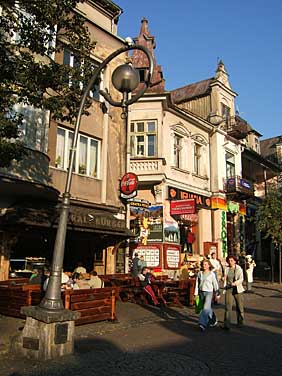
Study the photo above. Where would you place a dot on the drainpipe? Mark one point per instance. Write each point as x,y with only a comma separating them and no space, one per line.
104,159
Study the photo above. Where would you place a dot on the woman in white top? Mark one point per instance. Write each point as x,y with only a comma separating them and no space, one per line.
206,284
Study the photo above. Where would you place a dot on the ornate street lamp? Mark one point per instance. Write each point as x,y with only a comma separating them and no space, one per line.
125,79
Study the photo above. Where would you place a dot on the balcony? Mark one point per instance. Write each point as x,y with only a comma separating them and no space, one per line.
236,186
148,167
28,178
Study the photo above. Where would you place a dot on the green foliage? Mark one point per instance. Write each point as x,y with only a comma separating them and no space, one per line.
269,216
31,34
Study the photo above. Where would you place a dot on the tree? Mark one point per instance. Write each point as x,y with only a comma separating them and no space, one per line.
32,33
269,219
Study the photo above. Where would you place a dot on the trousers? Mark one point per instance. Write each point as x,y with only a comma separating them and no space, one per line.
206,313
239,302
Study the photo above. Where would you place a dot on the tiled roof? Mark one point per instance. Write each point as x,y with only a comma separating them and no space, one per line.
194,90
268,146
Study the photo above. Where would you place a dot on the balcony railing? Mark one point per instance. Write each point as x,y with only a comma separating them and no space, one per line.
236,185
145,165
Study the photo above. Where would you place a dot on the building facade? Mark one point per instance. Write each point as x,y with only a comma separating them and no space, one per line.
189,168
31,190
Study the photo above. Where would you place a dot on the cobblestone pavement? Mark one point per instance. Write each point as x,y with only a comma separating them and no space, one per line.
151,342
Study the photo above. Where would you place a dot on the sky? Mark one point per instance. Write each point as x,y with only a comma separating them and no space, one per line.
192,35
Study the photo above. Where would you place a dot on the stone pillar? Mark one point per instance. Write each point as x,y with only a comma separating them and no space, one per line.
46,334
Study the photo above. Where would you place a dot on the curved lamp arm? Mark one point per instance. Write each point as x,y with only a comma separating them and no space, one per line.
52,302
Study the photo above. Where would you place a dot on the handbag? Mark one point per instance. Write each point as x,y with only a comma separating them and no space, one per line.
199,304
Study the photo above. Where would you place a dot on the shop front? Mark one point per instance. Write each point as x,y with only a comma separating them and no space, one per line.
181,224
231,225
93,236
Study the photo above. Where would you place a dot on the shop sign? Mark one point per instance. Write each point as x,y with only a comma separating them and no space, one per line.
128,185
94,220
193,218
219,203
182,206
245,184
148,223
179,194
138,203
233,207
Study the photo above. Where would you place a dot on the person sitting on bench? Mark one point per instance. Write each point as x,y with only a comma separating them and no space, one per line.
146,279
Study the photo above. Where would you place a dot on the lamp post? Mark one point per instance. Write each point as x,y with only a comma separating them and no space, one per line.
125,79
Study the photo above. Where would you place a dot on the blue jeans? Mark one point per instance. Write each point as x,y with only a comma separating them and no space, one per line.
206,313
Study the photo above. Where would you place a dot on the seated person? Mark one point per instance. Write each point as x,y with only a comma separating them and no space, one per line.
80,268
37,278
146,279
66,282
95,282
79,282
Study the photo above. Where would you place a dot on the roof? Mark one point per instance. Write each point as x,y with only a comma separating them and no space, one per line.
194,90
241,128
268,146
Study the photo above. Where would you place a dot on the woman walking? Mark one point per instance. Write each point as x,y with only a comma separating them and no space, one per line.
206,284
233,289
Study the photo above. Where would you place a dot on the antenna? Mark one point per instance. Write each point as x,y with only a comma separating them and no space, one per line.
237,112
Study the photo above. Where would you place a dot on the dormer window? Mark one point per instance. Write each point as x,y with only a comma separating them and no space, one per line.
141,75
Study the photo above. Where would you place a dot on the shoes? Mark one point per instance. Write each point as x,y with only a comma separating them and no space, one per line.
212,320
224,327
202,327
213,324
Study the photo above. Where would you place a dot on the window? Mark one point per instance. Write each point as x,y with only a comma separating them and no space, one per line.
257,145
177,147
87,155
230,165
74,62
143,138
225,112
142,74
197,159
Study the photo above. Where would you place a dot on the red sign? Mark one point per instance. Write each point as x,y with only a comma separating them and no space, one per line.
182,206
128,183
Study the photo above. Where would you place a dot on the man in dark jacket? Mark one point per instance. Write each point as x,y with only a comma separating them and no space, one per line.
136,266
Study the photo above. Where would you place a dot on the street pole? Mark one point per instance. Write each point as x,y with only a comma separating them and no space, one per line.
125,79
49,328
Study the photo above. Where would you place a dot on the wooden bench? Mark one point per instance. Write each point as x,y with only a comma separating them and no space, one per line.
14,296
93,304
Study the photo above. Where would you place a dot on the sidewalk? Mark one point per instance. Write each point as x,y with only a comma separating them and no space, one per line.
147,341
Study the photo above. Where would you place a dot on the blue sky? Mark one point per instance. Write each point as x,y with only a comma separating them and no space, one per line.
191,36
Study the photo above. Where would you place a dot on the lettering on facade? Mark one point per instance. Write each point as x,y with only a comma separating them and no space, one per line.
96,221
179,194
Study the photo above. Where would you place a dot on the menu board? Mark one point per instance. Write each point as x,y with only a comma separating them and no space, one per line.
171,257
151,255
